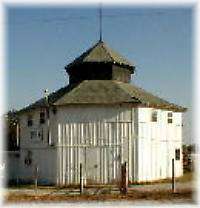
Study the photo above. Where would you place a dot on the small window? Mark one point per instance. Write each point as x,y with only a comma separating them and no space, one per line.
30,120
42,118
33,134
40,134
28,158
37,135
170,117
154,116
177,154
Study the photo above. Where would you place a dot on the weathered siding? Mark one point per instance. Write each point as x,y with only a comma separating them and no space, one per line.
11,161
121,74
42,152
25,137
98,137
157,142
101,138
44,159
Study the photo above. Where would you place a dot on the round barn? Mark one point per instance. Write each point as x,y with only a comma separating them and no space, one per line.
99,120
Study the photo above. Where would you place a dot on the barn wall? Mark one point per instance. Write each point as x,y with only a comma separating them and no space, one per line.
11,165
93,113
110,124
42,140
99,137
121,74
38,148
157,142
44,159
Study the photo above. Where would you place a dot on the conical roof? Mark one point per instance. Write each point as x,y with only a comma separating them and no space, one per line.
100,53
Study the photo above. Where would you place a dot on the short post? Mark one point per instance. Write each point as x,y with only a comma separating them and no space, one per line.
124,179
36,177
81,178
17,181
173,177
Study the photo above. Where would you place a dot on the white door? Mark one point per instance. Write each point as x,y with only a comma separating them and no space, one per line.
92,165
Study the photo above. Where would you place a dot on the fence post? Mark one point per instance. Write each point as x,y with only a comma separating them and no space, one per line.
173,176
124,179
81,178
36,177
17,181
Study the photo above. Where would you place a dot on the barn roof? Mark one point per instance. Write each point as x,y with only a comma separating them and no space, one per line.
100,52
104,92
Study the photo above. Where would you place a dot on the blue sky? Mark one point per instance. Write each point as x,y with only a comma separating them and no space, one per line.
41,41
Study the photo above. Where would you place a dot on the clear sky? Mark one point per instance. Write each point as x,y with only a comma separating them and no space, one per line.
41,41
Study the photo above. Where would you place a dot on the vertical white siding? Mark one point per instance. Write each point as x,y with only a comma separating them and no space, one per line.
157,142
101,137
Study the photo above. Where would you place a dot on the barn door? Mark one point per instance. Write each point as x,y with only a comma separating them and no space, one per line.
92,165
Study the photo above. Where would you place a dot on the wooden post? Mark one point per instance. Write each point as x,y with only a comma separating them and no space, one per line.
36,177
124,179
17,135
81,178
173,177
17,181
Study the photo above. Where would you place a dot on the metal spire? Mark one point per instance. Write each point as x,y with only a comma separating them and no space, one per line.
100,22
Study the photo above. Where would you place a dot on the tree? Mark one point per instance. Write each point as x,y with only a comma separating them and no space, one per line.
11,120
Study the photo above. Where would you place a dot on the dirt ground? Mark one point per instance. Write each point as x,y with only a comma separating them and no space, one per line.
157,192
181,197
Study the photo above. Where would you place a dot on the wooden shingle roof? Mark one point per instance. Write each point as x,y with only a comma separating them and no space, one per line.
100,52
104,92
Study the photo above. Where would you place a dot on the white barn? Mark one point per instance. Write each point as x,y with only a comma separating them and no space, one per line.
101,121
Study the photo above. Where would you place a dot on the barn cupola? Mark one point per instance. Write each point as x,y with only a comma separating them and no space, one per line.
100,63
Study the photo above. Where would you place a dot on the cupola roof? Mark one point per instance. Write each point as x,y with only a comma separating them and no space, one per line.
101,53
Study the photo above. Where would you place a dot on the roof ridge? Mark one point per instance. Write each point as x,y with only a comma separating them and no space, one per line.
78,58
116,53
107,50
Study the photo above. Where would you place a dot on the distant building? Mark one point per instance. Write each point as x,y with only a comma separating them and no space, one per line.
101,121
